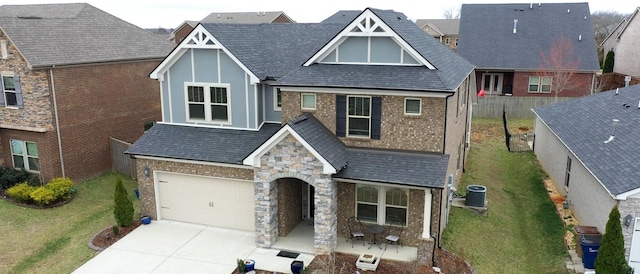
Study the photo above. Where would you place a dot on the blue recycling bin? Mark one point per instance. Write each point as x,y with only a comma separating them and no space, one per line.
590,245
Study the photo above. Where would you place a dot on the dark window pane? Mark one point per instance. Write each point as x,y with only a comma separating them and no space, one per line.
9,83
12,99
196,111
219,113
394,213
359,126
34,164
367,212
218,95
413,106
32,149
18,161
196,94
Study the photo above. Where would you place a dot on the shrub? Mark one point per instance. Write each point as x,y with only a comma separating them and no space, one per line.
61,187
43,196
611,258
123,207
10,176
21,192
608,62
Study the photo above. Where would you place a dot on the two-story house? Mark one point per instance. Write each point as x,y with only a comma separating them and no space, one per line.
72,76
181,32
269,126
536,49
445,30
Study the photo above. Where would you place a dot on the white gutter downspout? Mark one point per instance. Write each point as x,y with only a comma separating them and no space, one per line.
55,113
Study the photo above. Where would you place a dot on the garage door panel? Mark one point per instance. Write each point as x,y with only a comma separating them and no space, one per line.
206,200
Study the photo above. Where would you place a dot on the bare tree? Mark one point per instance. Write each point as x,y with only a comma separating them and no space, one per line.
604,22
451,13
560,64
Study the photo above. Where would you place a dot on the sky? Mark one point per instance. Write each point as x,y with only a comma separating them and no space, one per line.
171,13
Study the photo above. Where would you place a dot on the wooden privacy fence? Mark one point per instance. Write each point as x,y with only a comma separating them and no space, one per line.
121,162
515,106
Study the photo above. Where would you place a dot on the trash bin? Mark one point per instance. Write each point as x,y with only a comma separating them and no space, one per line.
590,245
580,230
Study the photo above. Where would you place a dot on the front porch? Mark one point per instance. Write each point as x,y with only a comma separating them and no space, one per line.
301,239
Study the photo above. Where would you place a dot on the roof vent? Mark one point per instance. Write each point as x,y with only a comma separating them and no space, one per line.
580,37
568,10
617,91
515,25
29,17
531,6
613,132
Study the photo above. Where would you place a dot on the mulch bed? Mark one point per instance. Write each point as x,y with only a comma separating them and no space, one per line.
106,237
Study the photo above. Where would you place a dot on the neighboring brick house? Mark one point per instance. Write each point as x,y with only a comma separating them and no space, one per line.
72,76
362,115
506,42
186,27
445,30
593,170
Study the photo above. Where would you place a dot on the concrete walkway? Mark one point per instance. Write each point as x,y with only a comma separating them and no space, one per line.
174,247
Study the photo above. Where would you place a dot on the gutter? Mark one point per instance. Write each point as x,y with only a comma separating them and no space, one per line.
55,113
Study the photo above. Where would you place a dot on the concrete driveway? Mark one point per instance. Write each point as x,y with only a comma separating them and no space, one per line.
174,247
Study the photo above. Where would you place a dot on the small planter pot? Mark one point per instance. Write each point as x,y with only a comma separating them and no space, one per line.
249,265
297,267
145,220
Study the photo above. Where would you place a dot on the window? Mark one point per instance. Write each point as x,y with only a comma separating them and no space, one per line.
208,103
412,106
567,172
3,48
540,84
308,101
381,205
9,88
277,100
359,116
25,155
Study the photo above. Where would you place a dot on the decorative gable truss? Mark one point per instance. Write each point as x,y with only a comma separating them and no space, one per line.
199,38
368,40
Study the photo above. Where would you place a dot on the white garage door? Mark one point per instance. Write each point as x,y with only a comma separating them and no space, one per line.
206,200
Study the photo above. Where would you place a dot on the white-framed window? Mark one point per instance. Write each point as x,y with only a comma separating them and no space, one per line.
359,116
381,204
412,106
3,48
208,102
277,99
540,84
25,155
308,101
567,175
9,91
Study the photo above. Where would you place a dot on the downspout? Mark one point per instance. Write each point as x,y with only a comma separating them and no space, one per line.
55,113
593,82
446,111
437,237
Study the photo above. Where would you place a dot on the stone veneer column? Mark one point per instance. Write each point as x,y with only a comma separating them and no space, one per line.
290,159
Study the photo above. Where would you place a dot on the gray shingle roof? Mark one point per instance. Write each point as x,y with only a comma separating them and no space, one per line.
583,124
405,168
342,16
487,40
290,45
229,146
62,34
242,17
445,26
321,139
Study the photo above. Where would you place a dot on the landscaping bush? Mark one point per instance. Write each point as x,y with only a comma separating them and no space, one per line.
10,176
608,62
611,258
42,196
62,188
123,207
21,192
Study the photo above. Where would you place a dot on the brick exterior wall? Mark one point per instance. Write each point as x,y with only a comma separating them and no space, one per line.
282,19
289,204
581,85
398,131
146,184
48,156
182,33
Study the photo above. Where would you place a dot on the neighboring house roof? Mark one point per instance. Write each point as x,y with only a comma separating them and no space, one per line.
243,17
583,124
615,32
487,40
400,167
342,17
631,18
442,26
204,144
69,34
187,23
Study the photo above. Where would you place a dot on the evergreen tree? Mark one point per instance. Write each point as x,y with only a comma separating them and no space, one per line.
610,257
123,207
608,62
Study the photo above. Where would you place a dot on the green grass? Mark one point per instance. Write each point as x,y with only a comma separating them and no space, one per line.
55,240
521,232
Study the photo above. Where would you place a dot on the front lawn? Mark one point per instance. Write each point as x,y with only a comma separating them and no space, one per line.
55,240
521,232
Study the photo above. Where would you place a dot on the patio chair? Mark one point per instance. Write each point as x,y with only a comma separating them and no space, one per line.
356,230
394,233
